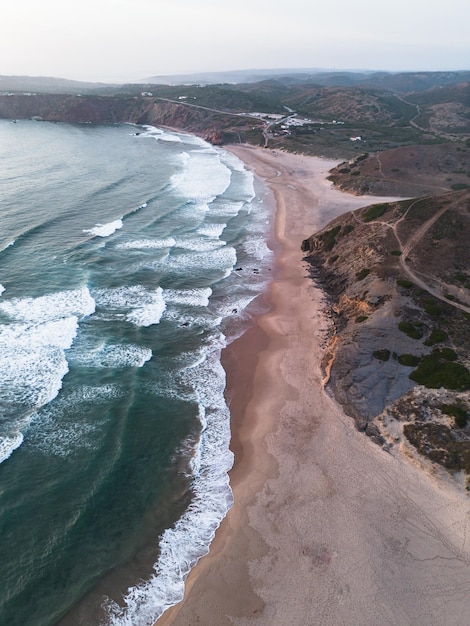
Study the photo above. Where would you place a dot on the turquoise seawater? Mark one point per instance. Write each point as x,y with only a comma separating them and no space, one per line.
128,258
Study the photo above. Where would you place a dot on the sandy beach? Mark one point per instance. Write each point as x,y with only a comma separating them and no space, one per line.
326,528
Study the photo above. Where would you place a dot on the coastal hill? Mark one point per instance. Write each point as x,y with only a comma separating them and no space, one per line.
337,115
398,279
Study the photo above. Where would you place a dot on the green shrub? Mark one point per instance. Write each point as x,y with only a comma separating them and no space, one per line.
396,252
446,353
437,336
328,238
433,373
410,360
374,211
433,310
347,229
361,318
334,258
458,186
407,284
382,355
409,329
456,411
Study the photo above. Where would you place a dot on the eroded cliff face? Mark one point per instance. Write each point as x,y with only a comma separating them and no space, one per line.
217,128
398,280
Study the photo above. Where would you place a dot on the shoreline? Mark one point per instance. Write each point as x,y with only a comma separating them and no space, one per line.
326,527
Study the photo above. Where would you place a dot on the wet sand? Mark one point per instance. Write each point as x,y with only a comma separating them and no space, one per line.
326,528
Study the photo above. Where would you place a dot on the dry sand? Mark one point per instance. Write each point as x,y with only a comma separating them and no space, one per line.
327,528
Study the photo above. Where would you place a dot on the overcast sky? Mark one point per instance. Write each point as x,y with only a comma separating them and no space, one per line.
119,40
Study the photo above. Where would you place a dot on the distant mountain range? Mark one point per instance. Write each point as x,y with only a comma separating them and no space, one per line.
402,82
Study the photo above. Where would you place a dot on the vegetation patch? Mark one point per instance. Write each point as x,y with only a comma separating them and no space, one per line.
373,212
445,353
382,355
410,360
432,308
361,318
346,230
396,252
437,442
411,330
435,371
458,412
406,284
328,238
437,336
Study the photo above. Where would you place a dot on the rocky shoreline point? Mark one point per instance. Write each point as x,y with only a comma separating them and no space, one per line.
397,278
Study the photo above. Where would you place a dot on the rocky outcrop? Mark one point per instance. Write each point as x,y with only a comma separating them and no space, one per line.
397,277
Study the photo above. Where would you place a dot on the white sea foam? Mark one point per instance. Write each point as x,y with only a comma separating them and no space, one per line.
188,297
223,258
169,137
33,348
242,178
194,183
212,230
136,304
225,208
8,445
2,289
183,545
147,244
199,244
104,230
53,306
161,135
257,248
112,355
8,245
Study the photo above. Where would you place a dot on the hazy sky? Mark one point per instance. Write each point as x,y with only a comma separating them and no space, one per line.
118,40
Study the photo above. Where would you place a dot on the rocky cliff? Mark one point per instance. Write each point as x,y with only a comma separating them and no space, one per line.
398,281
216,127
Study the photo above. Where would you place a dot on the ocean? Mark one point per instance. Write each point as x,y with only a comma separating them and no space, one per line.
130,257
